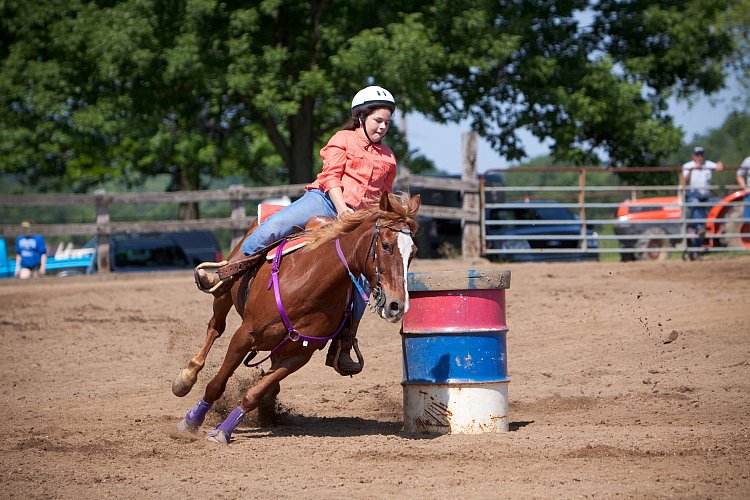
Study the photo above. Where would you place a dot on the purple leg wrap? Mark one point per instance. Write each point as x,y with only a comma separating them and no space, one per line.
232,421
197,415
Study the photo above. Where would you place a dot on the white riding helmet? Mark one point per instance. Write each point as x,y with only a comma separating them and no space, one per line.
372,95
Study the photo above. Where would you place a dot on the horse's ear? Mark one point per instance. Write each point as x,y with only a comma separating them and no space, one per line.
414,203
385,202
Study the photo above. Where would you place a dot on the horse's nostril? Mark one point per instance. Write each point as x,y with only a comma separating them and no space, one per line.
394,306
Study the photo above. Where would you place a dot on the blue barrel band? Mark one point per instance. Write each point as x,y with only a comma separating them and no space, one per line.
459,358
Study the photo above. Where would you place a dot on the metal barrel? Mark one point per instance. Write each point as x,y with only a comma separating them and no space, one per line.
455,376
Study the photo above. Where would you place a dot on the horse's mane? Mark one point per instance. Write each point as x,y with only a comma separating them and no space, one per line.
402,210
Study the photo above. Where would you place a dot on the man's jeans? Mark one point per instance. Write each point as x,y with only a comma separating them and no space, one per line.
696,212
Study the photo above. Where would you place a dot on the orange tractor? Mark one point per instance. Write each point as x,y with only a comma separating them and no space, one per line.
660,223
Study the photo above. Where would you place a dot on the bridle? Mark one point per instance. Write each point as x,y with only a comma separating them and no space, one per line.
377,290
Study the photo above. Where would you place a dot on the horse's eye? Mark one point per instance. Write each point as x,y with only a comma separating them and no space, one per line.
387,247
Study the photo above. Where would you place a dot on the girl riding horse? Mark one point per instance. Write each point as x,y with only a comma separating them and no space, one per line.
357,169
300,301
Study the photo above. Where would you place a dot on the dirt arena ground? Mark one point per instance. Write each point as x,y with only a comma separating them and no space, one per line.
627,380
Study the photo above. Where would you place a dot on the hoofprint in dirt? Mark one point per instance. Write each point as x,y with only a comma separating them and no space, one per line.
627,379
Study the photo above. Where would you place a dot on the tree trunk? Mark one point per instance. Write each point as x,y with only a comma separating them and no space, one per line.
301,147
186,182
189,211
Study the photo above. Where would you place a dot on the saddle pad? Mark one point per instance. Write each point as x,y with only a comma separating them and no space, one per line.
290,247
265,210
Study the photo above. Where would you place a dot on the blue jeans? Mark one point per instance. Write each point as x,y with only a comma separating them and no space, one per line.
696,212
746,212
314,202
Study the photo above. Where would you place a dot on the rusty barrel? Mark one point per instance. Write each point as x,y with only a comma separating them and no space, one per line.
455,376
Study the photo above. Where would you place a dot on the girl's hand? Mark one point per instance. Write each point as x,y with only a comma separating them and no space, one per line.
346,210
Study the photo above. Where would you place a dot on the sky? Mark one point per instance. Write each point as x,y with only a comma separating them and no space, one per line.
442,143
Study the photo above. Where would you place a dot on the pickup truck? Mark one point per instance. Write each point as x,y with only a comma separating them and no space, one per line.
65,262
541,230
162,251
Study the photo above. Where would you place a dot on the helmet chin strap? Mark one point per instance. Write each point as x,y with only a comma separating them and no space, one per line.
364,129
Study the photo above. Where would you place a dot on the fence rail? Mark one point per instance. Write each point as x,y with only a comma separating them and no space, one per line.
238,196
598,225
665,222
237,222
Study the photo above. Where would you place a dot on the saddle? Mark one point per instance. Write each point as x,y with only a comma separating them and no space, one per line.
217,277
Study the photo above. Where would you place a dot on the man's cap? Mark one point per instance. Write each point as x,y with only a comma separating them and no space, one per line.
698,150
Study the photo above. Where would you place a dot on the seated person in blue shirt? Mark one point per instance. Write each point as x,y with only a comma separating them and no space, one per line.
31,254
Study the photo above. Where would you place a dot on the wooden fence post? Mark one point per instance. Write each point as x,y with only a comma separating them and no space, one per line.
237,205
102,232
470,238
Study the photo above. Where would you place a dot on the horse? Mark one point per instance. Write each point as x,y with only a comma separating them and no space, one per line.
296,303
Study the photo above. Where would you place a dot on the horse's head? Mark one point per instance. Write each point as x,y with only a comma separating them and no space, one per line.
380,236
389,254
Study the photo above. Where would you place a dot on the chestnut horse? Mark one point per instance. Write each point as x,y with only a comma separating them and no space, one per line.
294,312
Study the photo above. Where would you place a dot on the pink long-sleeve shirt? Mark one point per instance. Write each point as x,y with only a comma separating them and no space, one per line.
362,170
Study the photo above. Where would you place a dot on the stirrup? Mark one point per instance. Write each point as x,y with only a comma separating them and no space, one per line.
210,267
360,359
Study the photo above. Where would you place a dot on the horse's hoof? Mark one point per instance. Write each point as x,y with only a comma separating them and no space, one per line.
184,426
217,436
184,383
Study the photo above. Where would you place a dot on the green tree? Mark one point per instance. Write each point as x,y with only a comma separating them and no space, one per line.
594,90
93,90
736,21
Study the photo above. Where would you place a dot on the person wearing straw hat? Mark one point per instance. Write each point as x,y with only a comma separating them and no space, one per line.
31,253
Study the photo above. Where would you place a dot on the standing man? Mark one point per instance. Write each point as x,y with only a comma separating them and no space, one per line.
696,177
31,253
743,179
